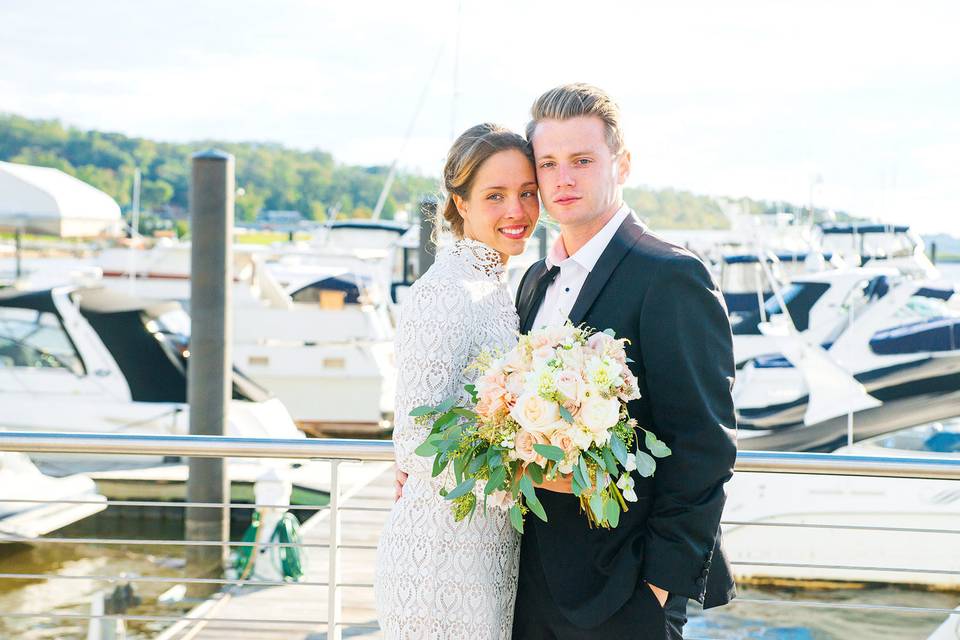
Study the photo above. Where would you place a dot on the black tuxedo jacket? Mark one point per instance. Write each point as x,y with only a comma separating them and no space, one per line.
662,298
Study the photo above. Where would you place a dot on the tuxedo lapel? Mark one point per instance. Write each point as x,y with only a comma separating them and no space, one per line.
525,301
627,235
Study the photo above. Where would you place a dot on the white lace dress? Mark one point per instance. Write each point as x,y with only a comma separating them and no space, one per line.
437,579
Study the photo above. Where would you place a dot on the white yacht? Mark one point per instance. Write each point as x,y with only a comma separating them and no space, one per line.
312,323
909,509
93,360
871,342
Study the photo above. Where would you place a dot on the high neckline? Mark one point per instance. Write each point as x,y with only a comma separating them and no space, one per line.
480,256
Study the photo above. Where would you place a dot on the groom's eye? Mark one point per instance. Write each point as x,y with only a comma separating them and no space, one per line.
583,161
546,165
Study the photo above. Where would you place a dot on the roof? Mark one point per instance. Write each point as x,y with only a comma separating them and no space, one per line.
44,200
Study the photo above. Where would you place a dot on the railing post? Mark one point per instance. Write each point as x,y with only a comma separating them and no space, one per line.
210,373
333,574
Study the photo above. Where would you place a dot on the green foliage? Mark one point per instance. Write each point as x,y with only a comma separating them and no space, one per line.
270,176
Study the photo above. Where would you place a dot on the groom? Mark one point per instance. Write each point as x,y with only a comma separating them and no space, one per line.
607,270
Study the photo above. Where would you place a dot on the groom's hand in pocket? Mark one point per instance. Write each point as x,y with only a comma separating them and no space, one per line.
400,478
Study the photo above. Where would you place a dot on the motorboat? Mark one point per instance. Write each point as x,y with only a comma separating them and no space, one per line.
788,520
871,347
58,501
313,326
882,245
94,360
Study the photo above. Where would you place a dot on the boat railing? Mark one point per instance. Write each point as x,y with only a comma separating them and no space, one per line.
339,451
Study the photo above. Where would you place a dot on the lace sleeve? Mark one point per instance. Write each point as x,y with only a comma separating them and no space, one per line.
433,349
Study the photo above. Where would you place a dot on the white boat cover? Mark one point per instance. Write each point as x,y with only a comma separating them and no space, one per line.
49,201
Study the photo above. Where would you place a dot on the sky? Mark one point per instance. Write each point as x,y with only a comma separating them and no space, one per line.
854,105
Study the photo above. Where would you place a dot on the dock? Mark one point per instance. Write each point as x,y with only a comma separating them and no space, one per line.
367,484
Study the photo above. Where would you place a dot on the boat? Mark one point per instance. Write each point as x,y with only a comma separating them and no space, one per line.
866,346
59,501
920,517
93,360
313,323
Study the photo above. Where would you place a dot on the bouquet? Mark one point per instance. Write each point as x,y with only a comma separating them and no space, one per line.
554,404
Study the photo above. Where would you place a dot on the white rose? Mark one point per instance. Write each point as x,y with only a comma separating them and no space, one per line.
533,413
599,415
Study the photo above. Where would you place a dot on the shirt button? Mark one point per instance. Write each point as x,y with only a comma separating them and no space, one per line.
567,289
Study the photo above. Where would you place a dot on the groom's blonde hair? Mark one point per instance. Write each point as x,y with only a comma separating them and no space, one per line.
579,99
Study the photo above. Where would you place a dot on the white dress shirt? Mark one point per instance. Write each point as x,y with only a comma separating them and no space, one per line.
564,290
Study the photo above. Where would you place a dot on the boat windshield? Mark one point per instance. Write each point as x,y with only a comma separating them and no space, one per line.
36,339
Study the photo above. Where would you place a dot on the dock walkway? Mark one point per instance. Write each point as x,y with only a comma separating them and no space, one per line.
366,485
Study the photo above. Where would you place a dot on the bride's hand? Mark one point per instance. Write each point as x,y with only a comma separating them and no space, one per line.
560,484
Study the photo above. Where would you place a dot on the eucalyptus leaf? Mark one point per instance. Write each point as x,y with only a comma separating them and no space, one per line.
566,415
579,478
594,457
646,465
422,410
656,447
609,462
426,449
461,489
535,473
440,463
610,332
516,518
549,452
497,476
575,483
494,458
526,486
596,505
584,473
446,405
619,450
444,421
613,513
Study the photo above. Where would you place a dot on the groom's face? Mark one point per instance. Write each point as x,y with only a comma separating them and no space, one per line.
580,178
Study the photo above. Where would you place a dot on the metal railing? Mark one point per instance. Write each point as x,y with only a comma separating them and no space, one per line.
337,451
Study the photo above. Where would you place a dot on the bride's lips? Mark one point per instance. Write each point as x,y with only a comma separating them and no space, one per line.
562,200
514,232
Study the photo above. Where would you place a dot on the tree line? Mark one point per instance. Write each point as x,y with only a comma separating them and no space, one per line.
271,176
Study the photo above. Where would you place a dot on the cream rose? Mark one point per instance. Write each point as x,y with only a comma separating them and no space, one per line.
599,415
568,384
523,446
533,413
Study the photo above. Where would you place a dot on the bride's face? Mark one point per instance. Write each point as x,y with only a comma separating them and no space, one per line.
502,208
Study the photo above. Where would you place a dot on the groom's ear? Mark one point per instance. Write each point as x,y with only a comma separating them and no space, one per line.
623,167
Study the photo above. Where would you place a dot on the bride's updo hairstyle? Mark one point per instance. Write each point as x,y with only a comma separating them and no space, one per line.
468,153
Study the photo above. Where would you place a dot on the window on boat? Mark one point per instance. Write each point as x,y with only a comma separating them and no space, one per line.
36,339
746,277
800,298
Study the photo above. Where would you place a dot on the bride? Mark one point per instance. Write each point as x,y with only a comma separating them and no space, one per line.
436,578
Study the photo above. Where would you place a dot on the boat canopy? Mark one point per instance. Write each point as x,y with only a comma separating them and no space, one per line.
49,201
850,228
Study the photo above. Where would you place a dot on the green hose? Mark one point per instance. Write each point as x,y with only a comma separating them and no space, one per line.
288,561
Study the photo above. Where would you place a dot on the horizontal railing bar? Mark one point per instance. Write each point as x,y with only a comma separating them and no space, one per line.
158,579
10,537
197,446
171,503
382,450
802,565
144,618
846,605
850,527
373,509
